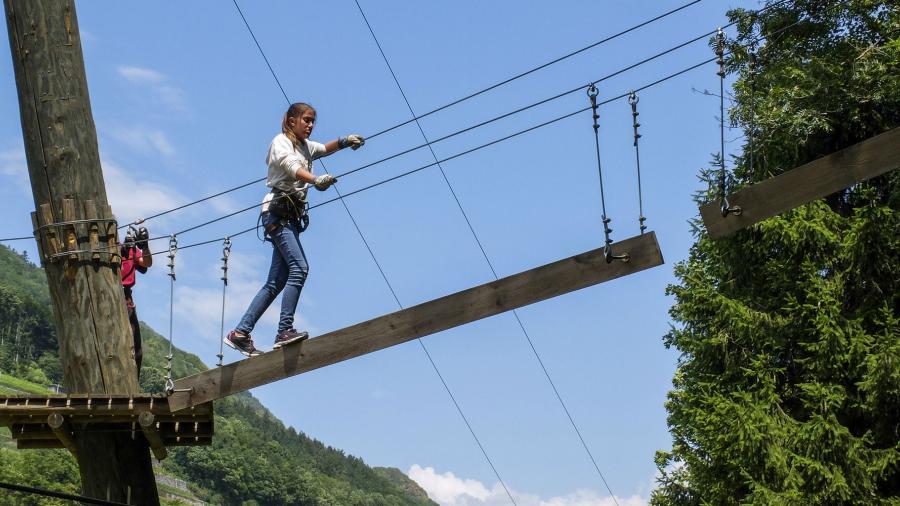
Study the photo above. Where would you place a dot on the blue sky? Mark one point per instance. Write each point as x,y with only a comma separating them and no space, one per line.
185,106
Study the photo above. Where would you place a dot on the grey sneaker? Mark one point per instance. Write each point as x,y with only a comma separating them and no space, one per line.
241,343
289,336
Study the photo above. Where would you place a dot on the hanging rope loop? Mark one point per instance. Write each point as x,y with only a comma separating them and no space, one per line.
725,207
608,255
633,100
226,252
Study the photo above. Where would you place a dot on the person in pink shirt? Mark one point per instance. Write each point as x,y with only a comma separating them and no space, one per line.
136,257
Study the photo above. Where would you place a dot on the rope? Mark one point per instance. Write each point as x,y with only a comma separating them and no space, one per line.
226,252
57,495
633,100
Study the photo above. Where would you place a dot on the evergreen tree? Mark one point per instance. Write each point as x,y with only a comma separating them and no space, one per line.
787,389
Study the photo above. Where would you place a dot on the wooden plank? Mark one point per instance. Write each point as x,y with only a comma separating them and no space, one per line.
148,427
489,299
815,180
95,409
63,432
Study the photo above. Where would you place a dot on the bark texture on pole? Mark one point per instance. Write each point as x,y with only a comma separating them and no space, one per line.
74,227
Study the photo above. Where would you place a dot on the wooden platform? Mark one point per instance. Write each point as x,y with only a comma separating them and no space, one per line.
489,299
56,421
817,179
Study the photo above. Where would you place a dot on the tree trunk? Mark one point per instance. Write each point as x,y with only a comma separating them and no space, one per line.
74,225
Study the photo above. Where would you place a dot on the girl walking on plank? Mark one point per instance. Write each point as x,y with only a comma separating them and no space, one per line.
283,217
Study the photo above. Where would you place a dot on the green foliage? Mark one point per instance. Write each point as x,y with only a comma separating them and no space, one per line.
35,375
54,470
19,385
788,384
26,323
254,457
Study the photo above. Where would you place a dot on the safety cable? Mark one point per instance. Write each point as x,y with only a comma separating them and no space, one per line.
633,100
535,69
418,169
751,76
592,93
58,495
226,252
451,157
466,152
10,239
189,204
457,132
725,207
261,52
487,259
532,105
393,292
173,249
468,222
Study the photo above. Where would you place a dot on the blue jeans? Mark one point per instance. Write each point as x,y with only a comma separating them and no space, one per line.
287,272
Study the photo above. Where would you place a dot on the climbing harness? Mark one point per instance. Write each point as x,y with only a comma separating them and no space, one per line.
633,102
724,206
173,248
226,252
592,93
290,206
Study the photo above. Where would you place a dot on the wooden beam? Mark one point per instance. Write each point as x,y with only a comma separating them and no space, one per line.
148,427
815,180
63,432
489,299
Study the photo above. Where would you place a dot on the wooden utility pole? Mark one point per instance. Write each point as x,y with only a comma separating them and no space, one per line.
76,235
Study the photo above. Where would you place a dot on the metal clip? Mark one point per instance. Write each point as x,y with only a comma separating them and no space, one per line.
173,248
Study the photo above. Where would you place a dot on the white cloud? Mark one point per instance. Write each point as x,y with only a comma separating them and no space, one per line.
159,84
449,490
144,140
131,197
139,75
14,166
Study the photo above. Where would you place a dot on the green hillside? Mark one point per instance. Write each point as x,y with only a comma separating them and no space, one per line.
254,458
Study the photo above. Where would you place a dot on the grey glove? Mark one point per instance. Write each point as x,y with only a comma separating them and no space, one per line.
141,238
324,181
352,141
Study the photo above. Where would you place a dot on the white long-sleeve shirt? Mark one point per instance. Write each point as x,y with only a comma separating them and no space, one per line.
283,159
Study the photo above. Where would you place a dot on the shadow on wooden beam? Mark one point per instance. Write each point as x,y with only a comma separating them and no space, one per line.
817,179
489,299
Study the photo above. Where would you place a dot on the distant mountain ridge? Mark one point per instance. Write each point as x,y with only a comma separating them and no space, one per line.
254,459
